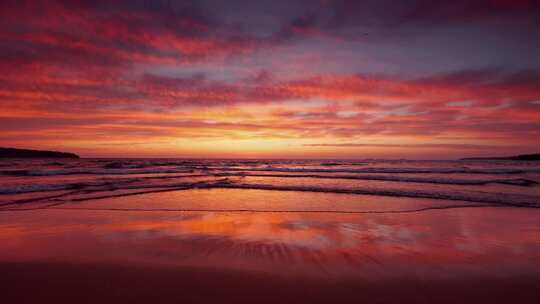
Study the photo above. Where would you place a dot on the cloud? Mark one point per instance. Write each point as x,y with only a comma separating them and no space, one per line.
323,71
115,34
376,20
414,146
348,105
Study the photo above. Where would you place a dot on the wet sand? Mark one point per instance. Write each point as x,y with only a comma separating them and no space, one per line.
269,247
102,283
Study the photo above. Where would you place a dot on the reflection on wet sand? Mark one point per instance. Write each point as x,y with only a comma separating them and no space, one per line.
461,244
433,244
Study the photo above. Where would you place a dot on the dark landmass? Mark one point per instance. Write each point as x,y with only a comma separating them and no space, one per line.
24,153
518,157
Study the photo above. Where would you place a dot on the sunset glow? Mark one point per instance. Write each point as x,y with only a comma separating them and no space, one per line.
270,151
275,79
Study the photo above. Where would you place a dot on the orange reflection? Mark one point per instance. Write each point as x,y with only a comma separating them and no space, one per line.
436,243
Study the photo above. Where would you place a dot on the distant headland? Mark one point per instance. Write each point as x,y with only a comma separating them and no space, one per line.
517,157
25,153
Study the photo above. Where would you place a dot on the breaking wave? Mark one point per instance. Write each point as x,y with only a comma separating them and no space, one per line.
480,182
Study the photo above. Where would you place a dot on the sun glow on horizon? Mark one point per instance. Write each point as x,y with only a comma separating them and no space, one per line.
178,80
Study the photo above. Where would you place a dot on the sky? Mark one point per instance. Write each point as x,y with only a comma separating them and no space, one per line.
419,79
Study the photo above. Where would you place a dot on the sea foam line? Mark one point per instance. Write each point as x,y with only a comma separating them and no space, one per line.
424,180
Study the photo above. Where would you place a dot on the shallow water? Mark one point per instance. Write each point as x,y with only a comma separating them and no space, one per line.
501,182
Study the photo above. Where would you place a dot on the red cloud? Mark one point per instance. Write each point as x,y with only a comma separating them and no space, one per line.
75,68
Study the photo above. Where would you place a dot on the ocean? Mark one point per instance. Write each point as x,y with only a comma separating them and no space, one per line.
39,182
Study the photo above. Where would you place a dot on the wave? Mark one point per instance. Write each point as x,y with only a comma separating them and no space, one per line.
493,171
503,199
101,178
515,200
108,184
109,188
117,165
28,188
26,172
15,189
120,168
153,181
426,180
